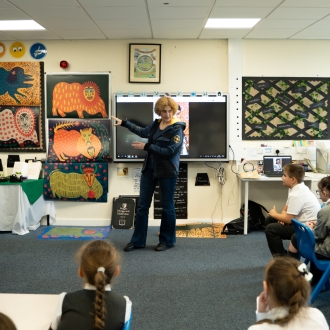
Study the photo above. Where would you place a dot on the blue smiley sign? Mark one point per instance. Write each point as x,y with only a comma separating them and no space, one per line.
38,51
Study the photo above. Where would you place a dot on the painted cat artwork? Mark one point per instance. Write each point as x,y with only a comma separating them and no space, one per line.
76,182
20,83
79,141
77,97
18,127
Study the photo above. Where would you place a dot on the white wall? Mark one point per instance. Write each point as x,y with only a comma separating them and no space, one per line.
199,65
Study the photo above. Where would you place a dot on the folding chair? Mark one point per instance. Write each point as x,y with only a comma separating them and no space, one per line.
306,247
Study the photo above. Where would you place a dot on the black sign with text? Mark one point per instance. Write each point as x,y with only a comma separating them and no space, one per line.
180,196
123,212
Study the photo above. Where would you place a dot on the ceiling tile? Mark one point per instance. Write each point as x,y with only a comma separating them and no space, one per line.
242,12
299,13
313,33
128,34
178,23
271,33
122,24
176,33
118,13
32,35
245,3
61,12
178,12
5,36
306,3
112,3
61,24
180,3
284,24
80,34
231,33
35,4
323,24
12,14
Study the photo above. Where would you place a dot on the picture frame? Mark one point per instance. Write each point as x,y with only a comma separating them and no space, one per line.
22,107
144,63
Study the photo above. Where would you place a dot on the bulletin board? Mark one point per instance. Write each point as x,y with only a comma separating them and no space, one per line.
282,108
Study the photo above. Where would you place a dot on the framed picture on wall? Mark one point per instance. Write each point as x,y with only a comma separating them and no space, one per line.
144,63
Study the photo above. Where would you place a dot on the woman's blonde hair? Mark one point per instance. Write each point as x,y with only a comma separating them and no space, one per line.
287,286
91,256
163,102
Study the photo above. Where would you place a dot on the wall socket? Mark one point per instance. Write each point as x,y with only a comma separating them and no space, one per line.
301,150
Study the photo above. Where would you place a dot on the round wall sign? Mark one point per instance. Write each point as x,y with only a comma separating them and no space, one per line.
17,49
2,49
38,51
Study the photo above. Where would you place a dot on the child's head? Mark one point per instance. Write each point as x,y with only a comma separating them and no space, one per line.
6,323
294,171
285,285
98,254
98,264
324,188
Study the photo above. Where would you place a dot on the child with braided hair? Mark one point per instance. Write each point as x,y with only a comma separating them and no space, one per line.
283,303
95,307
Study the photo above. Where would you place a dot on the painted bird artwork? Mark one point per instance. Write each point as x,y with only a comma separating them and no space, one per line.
14,81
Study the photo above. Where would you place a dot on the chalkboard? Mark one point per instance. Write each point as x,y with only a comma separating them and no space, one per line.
123,212
180,196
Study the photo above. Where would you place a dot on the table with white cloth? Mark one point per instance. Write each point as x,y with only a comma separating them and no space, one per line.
29,311
22,206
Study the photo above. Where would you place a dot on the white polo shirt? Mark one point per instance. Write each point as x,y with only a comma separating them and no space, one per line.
302,203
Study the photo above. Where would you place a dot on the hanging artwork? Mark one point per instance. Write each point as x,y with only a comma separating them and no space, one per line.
76,182
78,95
21,107
79,141
285,108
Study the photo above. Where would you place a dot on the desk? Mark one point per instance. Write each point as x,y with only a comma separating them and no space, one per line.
261,179
17,214
29,311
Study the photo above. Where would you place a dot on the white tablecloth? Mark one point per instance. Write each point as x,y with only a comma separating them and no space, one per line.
16,213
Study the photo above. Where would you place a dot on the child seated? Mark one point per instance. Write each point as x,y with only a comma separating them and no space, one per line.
283,302
320,228
301,204
96,306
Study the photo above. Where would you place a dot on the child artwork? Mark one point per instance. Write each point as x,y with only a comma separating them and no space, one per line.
79,141
19,127
21,107
21,83
76,182
78,96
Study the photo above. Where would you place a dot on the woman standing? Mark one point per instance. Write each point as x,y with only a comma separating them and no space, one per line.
161,165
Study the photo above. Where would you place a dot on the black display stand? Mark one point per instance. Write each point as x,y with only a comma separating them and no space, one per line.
202,179
123,213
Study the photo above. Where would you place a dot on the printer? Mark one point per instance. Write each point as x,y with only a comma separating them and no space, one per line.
323,157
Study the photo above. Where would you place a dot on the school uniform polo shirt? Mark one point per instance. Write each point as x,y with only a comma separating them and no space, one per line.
302,203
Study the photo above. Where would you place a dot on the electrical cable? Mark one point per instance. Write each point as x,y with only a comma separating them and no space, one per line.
245,170
233,160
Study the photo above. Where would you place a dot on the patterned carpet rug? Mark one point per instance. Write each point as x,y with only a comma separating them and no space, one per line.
200,230
75,233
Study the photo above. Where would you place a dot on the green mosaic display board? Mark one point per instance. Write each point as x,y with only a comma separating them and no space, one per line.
285,108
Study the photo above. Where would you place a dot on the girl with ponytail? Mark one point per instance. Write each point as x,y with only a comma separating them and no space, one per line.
283,302
95,307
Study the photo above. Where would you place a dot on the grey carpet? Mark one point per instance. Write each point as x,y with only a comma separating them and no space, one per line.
199,284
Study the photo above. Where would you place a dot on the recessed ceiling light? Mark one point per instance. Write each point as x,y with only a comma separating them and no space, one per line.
231,23
20,25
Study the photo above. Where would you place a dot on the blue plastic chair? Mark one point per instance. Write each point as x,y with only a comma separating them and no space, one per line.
306,247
